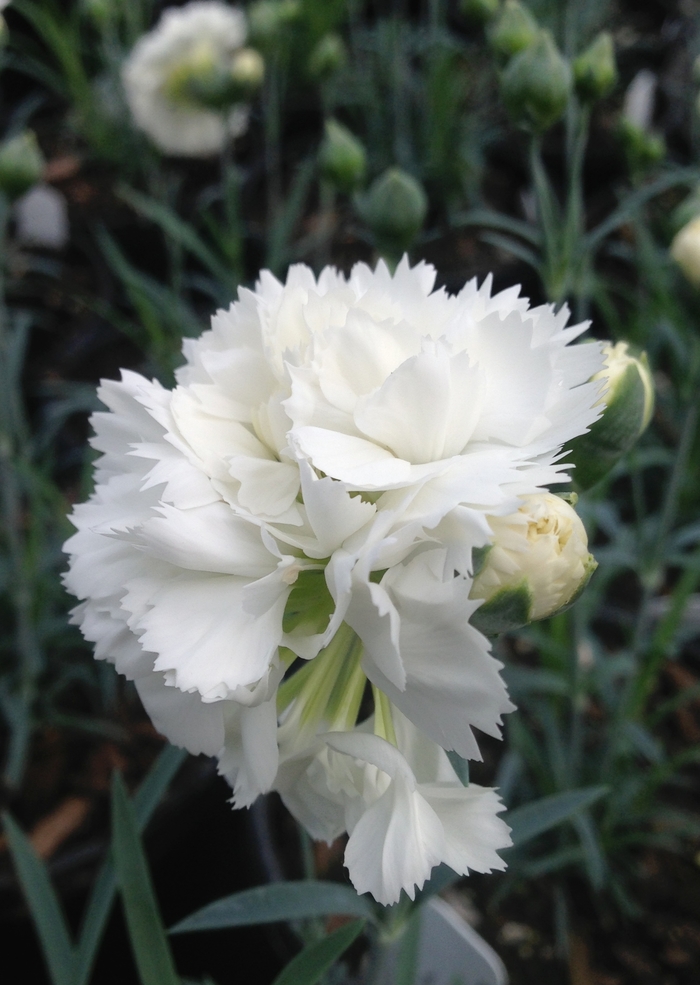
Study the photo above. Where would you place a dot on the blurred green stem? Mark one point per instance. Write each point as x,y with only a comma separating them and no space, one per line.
12,442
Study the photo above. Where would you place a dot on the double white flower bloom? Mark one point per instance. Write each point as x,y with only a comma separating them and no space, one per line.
310,494
188,43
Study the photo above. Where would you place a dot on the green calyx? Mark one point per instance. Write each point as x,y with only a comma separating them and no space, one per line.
21,164
507,610
394,209
327,58
595,71
479,11
342,158
513,31
327,691
629,405
536,84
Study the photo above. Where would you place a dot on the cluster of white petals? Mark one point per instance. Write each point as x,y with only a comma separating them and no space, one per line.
204,31
297,518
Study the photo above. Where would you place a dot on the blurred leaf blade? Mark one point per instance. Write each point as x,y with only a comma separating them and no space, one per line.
531,820
309,966
277,902
44,905
149,941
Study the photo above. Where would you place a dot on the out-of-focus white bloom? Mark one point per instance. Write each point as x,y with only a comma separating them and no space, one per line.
638,106
305,503
188,43
538,562
41,218
685,250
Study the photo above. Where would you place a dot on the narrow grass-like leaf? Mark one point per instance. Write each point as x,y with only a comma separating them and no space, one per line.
149,941
44,905
277,902
178,230
309,966
534,819
146,800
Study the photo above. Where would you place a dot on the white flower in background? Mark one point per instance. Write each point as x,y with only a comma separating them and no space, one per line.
538,562
305,503
188,46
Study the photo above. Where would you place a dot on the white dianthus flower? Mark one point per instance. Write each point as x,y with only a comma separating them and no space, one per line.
199,38
304,505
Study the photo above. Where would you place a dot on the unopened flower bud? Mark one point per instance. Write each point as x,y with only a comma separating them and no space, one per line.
537,565
537,84
247,72
203,80
514,31
394,209
629,405
342,158
327,58
100,12
4,32
21,164
479,11
685,250
269,19
643,148
595,71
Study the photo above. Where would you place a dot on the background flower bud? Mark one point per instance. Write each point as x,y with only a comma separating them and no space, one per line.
537,565
394,209
327,58
480,11
21,164
342,158
629,405
268,20
202,80
537,84
595,71
514,31
643,148
685,250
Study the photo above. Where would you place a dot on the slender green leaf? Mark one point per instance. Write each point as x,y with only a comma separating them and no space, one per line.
179,230
315,960
44,905
277,902
146,800
149,941
512,246
490,219
534,819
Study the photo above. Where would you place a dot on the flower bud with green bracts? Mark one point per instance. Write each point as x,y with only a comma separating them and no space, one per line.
537,565
394,209
21,164
327,58
479,11
342,158
536,84
513,31
268,20
595,70
628,407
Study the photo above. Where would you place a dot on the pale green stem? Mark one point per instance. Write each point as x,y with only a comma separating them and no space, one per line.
12,439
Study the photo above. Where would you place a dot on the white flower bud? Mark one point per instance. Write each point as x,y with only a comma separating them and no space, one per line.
537,565
685,250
